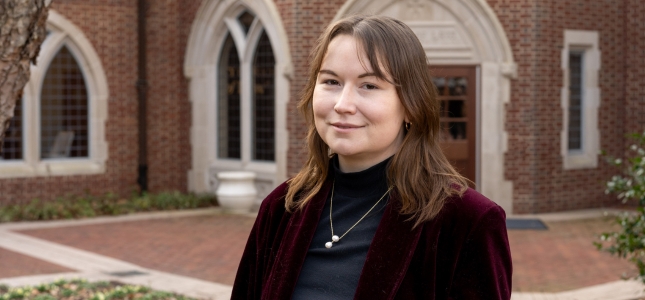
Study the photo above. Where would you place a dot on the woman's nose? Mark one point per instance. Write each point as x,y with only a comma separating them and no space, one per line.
345,103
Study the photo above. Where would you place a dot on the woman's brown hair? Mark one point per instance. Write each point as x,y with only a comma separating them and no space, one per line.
419,171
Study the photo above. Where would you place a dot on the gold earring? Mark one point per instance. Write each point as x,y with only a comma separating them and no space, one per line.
407,125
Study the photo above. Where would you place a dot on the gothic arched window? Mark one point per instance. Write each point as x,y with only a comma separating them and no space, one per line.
246,93
59,124
64,109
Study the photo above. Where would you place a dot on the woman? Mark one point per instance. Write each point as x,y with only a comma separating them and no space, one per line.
377,212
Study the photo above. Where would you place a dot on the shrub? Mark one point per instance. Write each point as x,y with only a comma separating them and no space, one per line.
629,242
110,204
82,289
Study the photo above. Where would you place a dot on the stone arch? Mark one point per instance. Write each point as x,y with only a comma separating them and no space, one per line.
207,34
464,32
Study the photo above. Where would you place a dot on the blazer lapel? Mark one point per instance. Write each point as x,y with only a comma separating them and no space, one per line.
389,255
296,240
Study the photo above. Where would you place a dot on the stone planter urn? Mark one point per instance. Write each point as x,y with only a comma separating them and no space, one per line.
236,191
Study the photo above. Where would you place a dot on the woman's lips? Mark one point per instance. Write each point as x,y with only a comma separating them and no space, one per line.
345,126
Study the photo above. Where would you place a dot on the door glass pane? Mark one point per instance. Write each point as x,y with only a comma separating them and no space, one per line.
453,100
456,108
440,83
458,86
452,131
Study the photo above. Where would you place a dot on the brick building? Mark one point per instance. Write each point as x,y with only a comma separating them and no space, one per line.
532,91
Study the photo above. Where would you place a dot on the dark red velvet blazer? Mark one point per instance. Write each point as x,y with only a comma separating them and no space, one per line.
461,254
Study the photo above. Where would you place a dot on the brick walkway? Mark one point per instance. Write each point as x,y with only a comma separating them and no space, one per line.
209,247
564,257
204,247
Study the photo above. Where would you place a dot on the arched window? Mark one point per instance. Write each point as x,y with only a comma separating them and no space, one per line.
239,68
246,93
59,125
63,109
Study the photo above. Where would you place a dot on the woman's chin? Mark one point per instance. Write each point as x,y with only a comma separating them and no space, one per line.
343,151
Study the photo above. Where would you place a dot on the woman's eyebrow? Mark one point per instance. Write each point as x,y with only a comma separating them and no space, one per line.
367,75
330,72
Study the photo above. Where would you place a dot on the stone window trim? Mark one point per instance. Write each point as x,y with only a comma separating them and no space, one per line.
62,33
587,43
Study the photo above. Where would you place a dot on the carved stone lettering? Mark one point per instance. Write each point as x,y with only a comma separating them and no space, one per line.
416,10
438,36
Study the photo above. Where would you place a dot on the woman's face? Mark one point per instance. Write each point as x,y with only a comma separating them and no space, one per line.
357,114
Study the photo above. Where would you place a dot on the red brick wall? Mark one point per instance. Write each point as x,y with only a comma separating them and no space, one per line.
634,81
534,115
110,26
168,24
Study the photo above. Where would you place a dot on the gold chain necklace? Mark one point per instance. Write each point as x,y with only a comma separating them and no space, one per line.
335,238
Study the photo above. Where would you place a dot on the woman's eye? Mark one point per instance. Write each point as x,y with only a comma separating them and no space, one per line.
370,86
331,82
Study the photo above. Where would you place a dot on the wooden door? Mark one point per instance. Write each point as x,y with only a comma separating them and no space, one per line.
457,95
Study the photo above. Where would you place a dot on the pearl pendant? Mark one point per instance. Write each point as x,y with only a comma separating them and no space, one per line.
335,238
328,245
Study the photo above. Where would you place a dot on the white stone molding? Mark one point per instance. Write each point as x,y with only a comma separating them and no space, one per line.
586,42
63,33
213,21
465,32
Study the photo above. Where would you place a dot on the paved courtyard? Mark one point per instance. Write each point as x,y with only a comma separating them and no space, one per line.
563,257
206,245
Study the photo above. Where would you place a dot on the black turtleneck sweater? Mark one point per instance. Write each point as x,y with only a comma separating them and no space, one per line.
333,273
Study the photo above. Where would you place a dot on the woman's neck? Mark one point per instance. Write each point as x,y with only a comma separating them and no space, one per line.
363,183
353,164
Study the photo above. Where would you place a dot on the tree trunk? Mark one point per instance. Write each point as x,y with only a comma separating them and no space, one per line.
22,30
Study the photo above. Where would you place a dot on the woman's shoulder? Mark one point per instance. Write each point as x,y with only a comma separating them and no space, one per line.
273,209
473,206
276,199
476,201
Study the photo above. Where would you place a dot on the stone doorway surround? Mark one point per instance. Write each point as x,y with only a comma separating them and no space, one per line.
464,32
